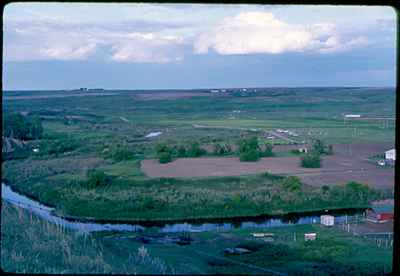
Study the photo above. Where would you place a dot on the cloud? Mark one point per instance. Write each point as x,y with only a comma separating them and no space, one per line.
261,32
60,41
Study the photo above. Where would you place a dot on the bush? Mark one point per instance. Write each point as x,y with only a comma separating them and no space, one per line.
249,156
267,151
195,150
120,153
292,183
164,157
311,160
181,152
96,179
222,149
249,149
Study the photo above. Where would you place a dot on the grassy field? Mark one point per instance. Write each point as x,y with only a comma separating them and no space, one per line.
59,250
80,133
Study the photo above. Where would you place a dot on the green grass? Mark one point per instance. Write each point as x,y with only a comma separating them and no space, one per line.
31,245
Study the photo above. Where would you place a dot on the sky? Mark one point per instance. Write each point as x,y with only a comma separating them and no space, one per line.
188,46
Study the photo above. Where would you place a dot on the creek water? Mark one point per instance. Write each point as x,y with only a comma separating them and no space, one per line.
47,213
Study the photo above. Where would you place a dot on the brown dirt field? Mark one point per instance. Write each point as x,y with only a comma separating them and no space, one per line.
337,169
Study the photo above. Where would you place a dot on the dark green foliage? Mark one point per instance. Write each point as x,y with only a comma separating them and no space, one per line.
20,127
57,147
249,149
249,156
96,179
195,150
165,157
267,152
325,189
120,152
329,151
181,151
311,160
295,151
319,147
164,153
292,183
222,149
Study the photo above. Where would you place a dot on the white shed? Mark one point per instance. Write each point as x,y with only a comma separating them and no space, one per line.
390,154
310,236
327,220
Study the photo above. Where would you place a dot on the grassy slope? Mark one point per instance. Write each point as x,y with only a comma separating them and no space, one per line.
58,250
31,245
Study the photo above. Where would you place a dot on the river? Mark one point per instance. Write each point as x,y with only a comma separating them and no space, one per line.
47,213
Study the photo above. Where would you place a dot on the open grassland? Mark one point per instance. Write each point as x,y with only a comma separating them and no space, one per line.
82,134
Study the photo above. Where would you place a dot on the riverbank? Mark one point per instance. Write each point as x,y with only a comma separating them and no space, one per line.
197,199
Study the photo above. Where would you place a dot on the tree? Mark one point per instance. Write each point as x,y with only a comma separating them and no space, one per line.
165,157
164,153
15,125
311,160
96,179
195,150
250,155
267,150
249,149
181,152
318,146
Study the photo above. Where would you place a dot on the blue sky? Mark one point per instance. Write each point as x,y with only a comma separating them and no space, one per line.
156,46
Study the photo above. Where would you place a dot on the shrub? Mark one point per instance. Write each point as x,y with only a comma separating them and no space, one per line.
295,151
311,160
96,179
181,152
292,183
164,157
249,156
195,150
267,151
249,149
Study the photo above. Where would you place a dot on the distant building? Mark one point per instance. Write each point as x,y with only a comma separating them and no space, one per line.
377,216
352,116
310,236
390,154
327,220
304,150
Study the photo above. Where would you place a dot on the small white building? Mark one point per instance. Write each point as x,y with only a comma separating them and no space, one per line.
327,220
36,150
304,150
390,155
310,236
352,116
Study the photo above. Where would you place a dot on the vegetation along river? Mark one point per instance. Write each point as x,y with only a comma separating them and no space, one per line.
46,213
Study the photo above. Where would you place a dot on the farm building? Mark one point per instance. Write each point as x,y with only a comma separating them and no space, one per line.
377,216
327,220
310,236
390,154
352,116
303,150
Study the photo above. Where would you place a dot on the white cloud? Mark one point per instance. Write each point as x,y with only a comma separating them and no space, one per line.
261,32
39,41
